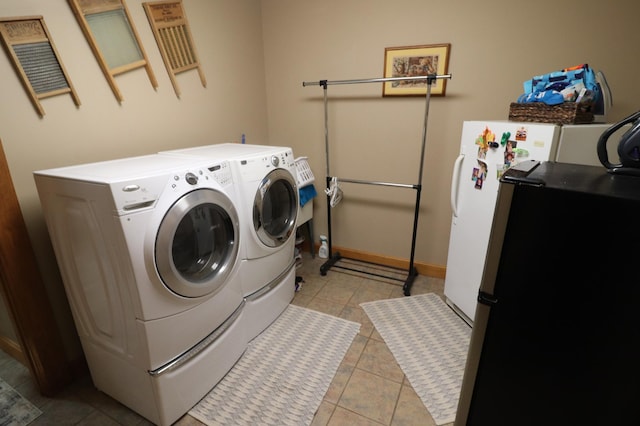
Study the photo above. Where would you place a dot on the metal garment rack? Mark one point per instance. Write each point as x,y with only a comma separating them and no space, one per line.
334,258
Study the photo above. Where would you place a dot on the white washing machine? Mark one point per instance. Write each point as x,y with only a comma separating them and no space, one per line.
149,252
268,202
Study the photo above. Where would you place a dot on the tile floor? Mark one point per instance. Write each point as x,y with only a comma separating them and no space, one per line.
368,389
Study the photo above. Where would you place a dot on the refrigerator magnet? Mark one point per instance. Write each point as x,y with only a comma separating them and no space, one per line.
505,138
521,134
480,174
483,141
483,147
509,152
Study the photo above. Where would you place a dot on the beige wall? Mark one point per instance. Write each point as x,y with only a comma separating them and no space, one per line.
256,54
228,37
496,45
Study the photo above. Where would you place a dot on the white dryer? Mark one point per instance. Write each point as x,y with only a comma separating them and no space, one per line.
148,248
265,178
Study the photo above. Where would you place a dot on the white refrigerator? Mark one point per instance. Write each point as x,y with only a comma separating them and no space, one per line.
487,149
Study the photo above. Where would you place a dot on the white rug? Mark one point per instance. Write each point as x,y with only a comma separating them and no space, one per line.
429,342
15,410
284,374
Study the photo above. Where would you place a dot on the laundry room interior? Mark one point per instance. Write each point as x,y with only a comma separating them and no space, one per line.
298,84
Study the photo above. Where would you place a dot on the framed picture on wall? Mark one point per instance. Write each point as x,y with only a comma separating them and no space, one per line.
414,61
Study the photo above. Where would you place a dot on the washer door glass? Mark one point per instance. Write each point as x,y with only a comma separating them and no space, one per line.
275,208
197,243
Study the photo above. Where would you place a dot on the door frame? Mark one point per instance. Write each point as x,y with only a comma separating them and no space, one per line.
25,295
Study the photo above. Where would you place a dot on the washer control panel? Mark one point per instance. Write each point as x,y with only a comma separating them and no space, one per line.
219,172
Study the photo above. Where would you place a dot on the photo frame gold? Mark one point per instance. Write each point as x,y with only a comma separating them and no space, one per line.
413,61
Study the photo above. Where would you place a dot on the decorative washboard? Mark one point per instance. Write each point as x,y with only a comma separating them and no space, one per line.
172,33
35,58
112,36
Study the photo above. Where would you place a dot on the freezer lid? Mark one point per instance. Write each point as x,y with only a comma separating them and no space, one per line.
577,178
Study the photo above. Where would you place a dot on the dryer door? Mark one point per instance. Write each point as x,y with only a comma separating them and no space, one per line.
275,208
197,243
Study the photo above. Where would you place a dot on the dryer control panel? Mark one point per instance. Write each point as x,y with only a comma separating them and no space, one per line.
256,167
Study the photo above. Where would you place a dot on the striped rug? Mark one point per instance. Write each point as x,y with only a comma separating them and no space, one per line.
429,342
284,374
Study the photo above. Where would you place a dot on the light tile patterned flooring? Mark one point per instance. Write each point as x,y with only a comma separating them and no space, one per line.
368,389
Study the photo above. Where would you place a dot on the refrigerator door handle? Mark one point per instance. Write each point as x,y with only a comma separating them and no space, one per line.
454,184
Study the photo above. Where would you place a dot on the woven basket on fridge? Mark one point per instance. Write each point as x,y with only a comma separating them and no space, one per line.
566,113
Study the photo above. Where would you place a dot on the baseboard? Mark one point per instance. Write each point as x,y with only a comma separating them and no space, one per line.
79,367
13,349
426,269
